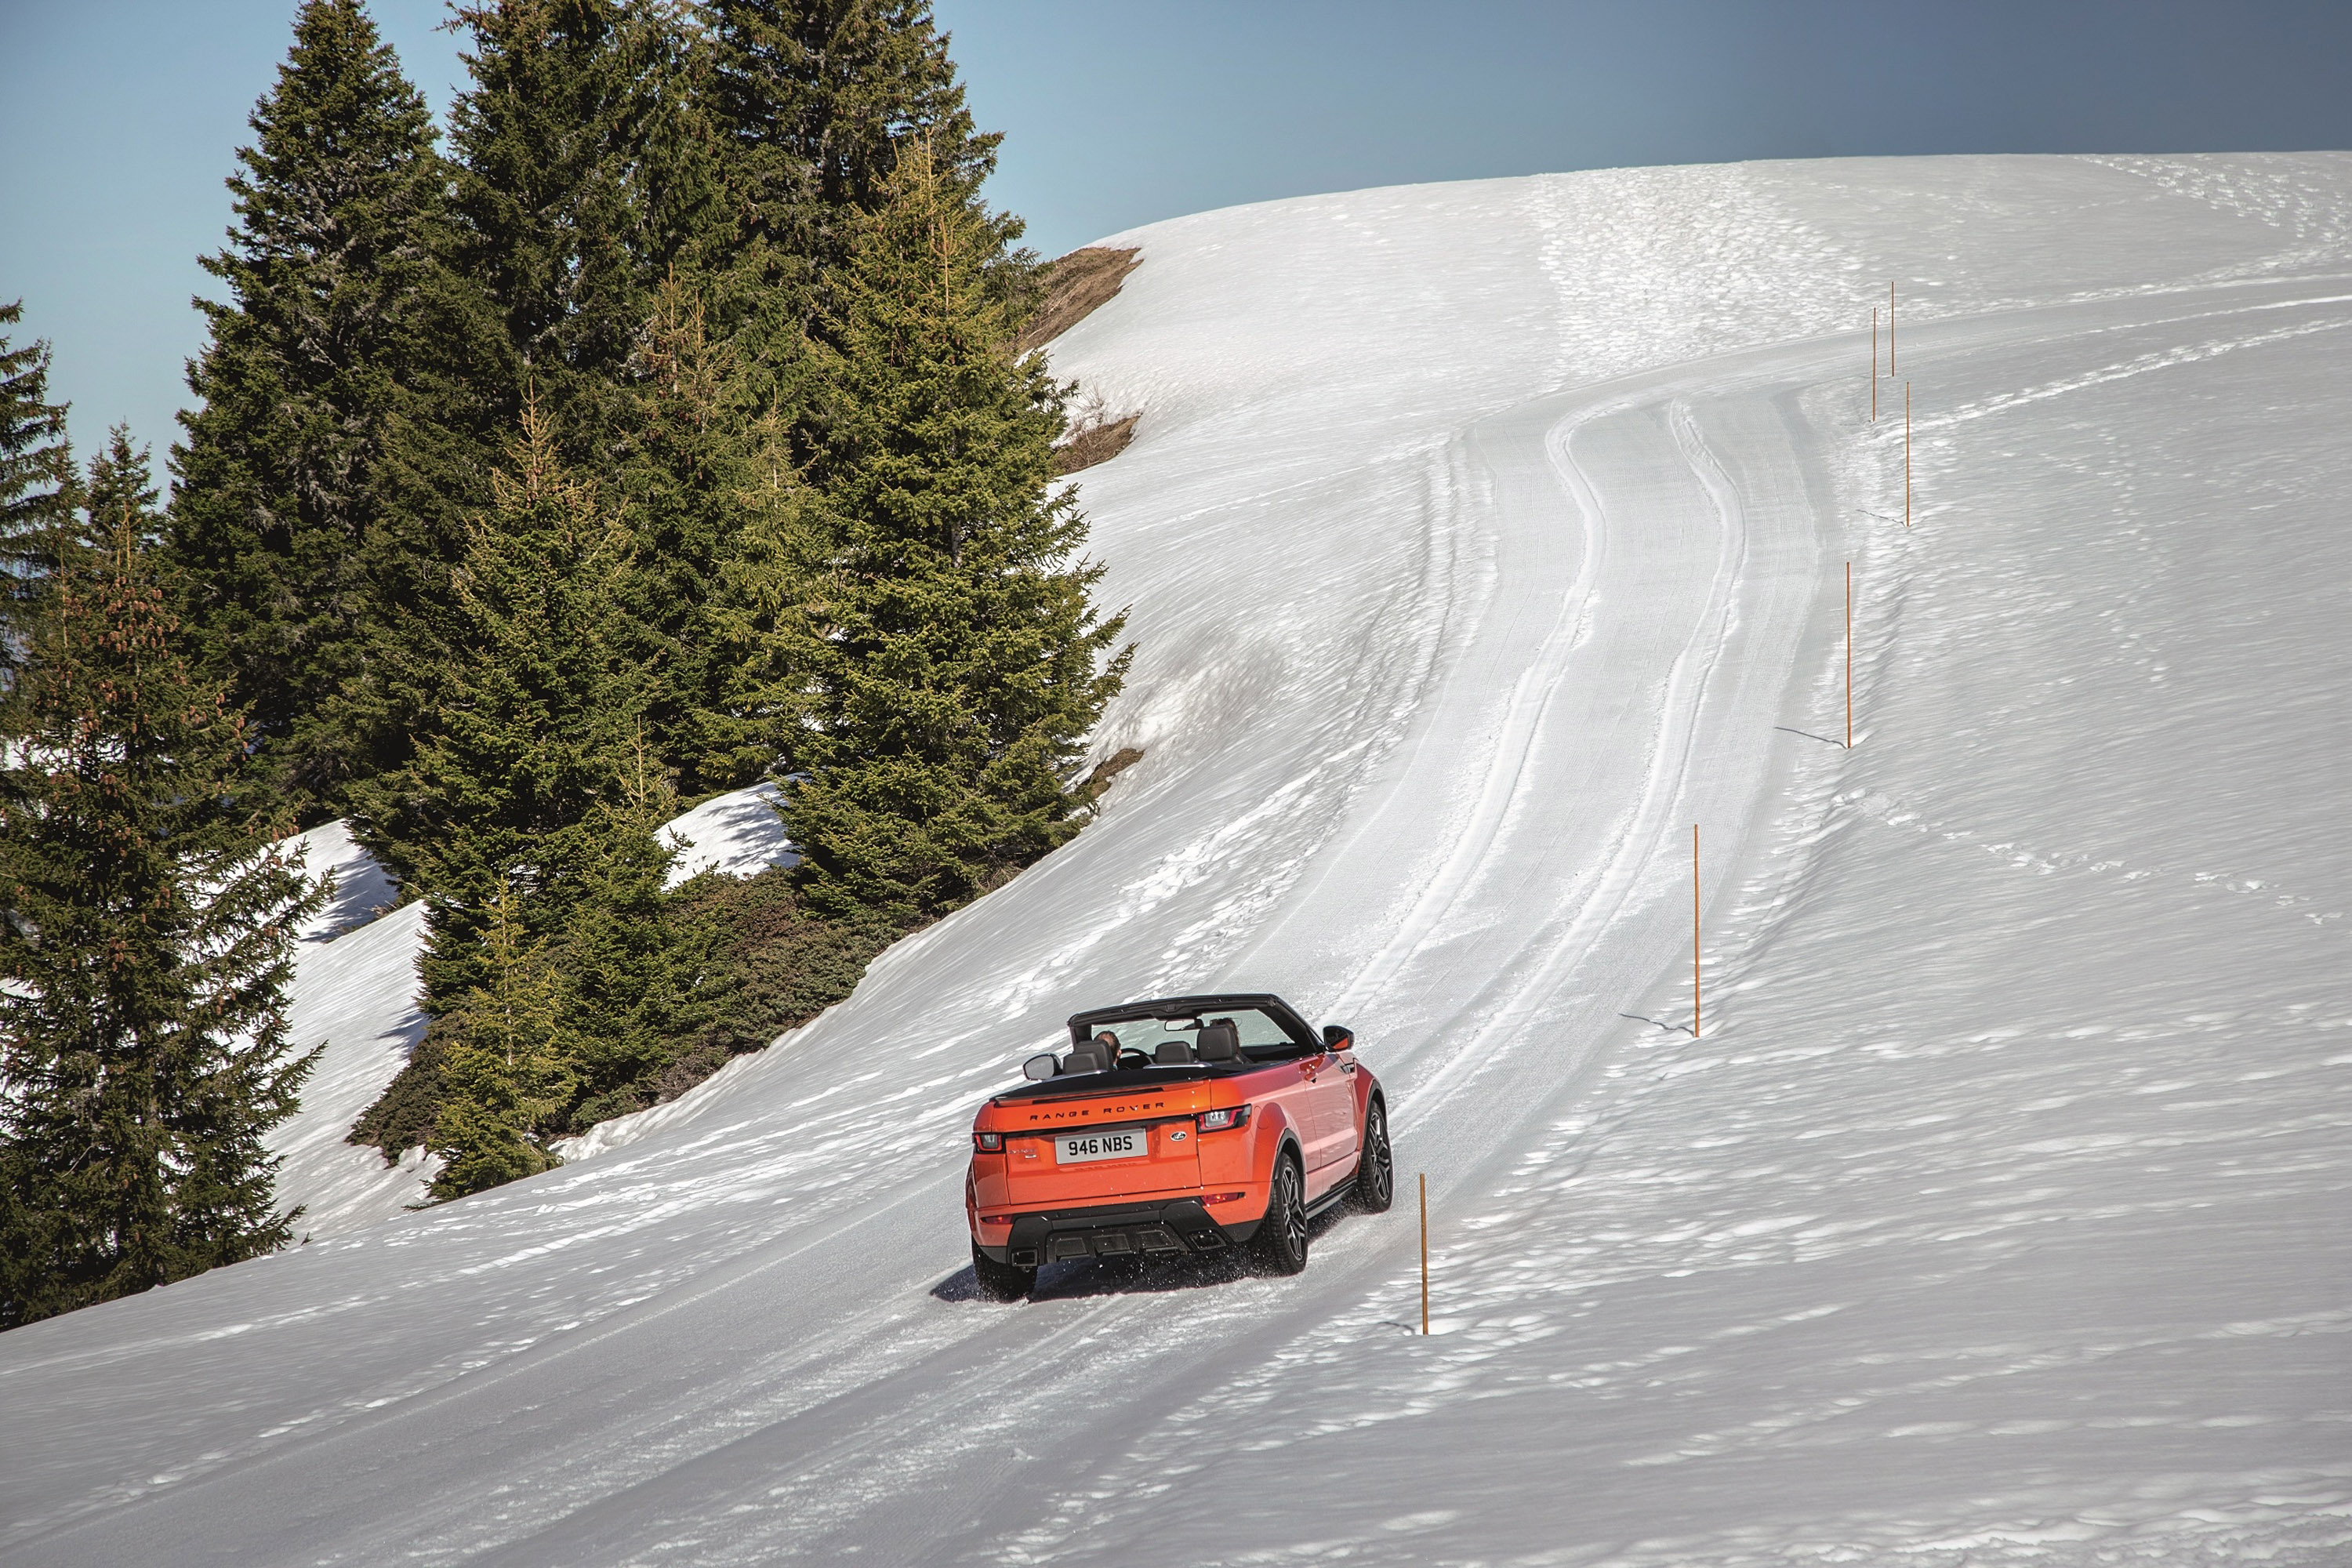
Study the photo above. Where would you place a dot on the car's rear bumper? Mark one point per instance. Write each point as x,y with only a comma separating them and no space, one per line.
1164,1229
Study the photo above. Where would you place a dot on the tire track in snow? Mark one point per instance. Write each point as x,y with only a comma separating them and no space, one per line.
883,1419
1510,1095
1645,859
1633,844
1438,1073
881,1394
898,1438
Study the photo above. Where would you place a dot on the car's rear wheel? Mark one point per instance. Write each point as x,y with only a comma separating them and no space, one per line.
1281,1240
1376,1172
1000,1282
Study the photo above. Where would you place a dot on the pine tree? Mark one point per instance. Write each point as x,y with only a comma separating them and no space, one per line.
534,800
506,1072
819,98
957,663
814,102
313,461
686,218
659,316
533,728
632,959
120,493
555,221
713,506
36,476
146,944
755,631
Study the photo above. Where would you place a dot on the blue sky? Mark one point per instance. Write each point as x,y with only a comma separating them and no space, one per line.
121,118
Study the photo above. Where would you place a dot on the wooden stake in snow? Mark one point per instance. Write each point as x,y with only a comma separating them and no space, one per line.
1849,655
1424,1253
1874,364
1906,449
1694,931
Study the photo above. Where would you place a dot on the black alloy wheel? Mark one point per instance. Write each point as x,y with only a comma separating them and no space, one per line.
1376,1171
1000,1282
1282,1234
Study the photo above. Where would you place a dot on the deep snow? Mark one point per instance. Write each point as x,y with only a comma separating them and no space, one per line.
1481,539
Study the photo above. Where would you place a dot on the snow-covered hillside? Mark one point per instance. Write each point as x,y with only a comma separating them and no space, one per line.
1481,540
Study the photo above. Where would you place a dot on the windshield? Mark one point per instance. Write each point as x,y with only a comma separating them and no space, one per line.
1261,1038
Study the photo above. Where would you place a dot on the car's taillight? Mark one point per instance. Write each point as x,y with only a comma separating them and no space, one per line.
1220,1120
988,1142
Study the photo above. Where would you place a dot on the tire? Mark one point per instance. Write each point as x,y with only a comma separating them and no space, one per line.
1376,1170
1281,1240
1000,1282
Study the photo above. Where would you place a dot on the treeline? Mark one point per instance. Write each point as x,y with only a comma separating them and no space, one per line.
658,431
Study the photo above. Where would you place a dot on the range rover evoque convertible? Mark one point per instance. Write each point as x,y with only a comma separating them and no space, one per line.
1186,1125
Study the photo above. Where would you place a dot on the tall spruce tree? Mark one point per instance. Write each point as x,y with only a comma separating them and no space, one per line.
632,958
35,478
552,213
534,801
590,205
956,662
713,504
505,1066
534,727
314,463
650,204
146,944
753,631
814,102
687,222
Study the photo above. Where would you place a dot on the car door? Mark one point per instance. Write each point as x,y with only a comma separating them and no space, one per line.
1313,1092
1317,1095
1291,1084
1340,1077
1330,1100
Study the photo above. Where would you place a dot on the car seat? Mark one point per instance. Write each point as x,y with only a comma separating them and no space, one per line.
1172,1053
1219,1041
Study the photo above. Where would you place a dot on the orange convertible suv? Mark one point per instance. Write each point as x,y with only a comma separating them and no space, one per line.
1190,1124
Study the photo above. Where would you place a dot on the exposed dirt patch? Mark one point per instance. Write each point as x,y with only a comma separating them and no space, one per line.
1110,767
1092,444
1075,285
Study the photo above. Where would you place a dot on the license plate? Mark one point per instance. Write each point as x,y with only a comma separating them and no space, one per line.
1100,1143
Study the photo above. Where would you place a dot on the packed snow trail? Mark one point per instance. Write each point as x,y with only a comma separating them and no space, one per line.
1914,1397
1438,664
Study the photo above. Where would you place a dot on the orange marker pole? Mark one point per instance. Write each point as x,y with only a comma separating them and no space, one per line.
1424,1253
1695,995
1849,655
1906,451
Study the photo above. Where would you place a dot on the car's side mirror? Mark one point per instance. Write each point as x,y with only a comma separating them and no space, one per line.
1337,1037
1040,1068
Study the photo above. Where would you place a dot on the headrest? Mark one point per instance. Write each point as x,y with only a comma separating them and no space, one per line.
1088,1058
1172,1053
1218,1041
